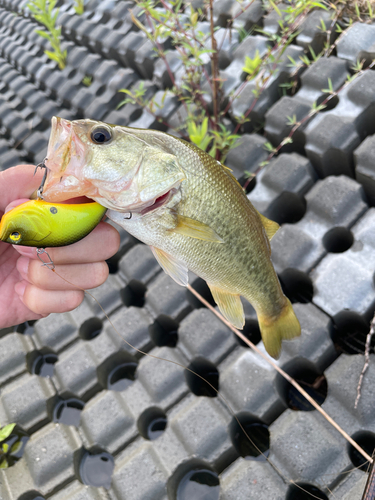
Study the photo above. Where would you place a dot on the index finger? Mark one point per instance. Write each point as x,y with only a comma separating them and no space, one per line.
18,182
101,244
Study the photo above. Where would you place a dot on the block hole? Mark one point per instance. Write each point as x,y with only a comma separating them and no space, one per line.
202,368
100,91
248,183
41,362
332,103
26,328
67,411
366,440
251,331
31,495
338,240
311,380
164,331
288,207
194,479
152,423
134,294
202,288
349,333
112,264
118,371
6,331
90,328
13,447
304,491
255,444
297,286
95,467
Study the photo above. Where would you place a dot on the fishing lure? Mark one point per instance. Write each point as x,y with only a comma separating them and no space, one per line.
37,223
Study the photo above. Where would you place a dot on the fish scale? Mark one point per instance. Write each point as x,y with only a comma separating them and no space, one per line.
185,205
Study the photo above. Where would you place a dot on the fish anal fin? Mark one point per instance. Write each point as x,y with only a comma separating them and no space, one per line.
195,229
175,268
270,226
230,305
275,330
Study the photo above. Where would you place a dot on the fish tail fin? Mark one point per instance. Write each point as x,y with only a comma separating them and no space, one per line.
275,330
230,306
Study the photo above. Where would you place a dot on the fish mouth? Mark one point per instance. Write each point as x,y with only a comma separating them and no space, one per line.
160,201
65,157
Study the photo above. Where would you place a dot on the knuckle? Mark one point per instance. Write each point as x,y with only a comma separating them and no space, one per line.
36,273
101,273
71,300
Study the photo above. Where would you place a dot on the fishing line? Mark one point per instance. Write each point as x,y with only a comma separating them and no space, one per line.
51,266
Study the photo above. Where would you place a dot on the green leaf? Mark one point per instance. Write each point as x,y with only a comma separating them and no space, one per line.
252,65
52,55
4,464
6,431
287,140
275,7
5,447
16,447
291,120
43,34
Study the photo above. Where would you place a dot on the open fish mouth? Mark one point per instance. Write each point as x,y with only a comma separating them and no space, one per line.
159,202
65,157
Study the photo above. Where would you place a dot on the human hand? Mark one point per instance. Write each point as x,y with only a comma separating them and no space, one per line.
29,291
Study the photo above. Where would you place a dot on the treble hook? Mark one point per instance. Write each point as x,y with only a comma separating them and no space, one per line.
40,189
41,251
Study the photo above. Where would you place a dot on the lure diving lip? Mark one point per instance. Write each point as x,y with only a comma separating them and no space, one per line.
37,223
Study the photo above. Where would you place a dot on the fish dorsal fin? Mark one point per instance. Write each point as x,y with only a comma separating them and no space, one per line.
270,226
230,305
175,268
195,229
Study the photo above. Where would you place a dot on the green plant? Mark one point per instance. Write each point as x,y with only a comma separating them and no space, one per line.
87,80
199,88
80,7
5,432
44,12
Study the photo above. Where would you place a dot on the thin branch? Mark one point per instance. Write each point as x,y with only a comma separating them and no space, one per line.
214,68
301,122
367,360
284,374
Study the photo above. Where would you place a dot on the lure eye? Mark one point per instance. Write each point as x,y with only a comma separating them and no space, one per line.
101,135
15,236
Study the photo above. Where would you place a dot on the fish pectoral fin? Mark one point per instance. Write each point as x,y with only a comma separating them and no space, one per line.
175,268
230,305
195,229
270,226
274,330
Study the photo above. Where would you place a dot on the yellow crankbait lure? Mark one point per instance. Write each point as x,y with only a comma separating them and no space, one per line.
38,223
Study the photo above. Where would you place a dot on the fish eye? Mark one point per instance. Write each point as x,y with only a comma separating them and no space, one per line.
15,236
101,135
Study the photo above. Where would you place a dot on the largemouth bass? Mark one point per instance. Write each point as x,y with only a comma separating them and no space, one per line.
184,204
37,223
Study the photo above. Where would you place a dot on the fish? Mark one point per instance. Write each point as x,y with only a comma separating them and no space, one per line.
184,204
37,223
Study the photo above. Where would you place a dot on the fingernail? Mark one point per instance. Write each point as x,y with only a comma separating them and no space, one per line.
20,287
26,251
23,266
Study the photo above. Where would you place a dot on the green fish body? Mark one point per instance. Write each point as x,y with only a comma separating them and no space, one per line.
184,204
